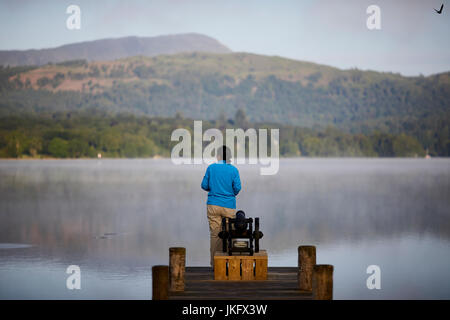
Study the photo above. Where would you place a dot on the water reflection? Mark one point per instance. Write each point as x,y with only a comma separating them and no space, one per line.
116,218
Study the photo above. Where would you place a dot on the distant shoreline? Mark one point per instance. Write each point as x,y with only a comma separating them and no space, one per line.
168,158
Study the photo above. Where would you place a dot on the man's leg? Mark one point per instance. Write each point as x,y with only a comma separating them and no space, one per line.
215,222
215,215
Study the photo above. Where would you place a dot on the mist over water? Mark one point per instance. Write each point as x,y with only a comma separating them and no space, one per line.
117,218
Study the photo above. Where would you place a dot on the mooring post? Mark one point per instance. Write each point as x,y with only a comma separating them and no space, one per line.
306,263
323,282
177,267
160,280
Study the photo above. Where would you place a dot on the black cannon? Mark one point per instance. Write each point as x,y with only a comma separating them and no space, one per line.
237,234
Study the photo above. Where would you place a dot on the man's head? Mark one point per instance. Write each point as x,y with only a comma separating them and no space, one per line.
224,153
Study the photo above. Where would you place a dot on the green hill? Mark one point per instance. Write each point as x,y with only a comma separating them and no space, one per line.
215,86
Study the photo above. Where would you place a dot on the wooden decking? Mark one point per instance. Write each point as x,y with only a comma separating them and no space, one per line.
281,284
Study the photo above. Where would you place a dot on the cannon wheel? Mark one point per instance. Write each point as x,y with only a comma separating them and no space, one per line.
230,239
256,234
224,240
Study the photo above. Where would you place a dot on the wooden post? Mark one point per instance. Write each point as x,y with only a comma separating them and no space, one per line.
160,279
306,263
323,282
177,267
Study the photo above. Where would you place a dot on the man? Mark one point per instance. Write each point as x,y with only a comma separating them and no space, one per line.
223,183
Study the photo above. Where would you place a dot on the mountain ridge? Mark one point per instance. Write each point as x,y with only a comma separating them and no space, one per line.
114,48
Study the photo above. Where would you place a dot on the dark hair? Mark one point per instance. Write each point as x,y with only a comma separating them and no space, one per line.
224,153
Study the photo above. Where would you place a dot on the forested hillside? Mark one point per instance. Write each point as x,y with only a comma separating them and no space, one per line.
212,87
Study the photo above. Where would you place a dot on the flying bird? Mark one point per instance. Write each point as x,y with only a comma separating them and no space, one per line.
440,10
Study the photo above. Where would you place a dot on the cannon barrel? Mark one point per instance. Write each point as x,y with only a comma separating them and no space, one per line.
240,224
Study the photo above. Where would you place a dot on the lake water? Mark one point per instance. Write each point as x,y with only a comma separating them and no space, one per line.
117,218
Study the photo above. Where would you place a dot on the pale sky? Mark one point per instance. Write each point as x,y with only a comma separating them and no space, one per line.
413,38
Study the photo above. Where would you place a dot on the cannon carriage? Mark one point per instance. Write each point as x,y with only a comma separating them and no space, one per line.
238,235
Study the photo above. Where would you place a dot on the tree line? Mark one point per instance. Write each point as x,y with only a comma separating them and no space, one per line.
85,135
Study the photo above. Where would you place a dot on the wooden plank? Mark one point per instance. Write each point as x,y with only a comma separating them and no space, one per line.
252,295
244,295
234,269
283,270
269,277
261,269
281,284
220,270
247,297
274,273
241,285
226,295
244,288
247,269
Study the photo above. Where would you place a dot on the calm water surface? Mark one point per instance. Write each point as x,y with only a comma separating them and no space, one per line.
117,218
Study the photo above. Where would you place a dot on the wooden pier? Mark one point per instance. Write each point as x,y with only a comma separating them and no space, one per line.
305,282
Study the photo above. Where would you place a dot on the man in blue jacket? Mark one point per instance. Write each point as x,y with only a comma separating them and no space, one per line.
222,182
